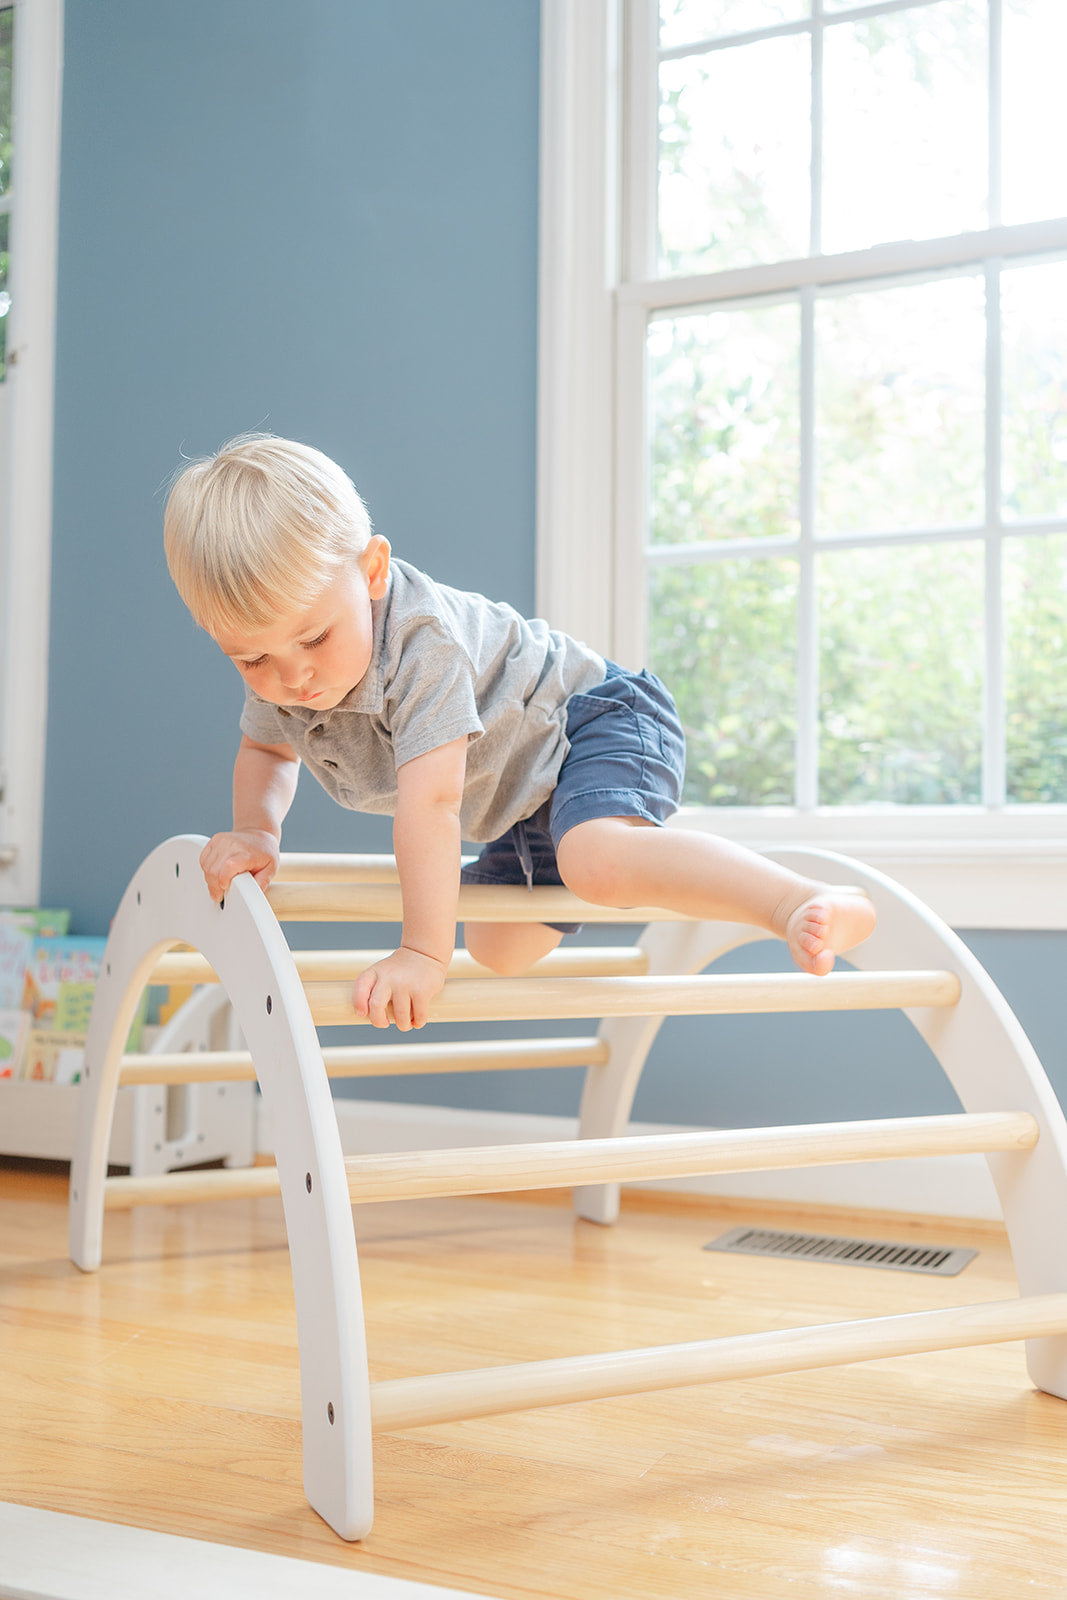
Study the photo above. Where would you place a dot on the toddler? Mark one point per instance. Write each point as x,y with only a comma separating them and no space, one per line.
458,717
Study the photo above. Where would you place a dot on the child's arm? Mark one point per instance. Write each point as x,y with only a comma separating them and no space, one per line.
426,840
264,783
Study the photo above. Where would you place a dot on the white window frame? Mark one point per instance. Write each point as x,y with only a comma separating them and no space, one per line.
26,414
980,867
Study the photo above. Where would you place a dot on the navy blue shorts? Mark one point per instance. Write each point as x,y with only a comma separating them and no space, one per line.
626,759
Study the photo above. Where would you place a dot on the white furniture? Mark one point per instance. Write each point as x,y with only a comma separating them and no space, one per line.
912,961
156,1127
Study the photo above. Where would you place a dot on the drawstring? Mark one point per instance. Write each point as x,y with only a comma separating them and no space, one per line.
522,850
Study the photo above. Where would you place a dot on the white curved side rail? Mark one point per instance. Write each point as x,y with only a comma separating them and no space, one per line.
979,1044
167,903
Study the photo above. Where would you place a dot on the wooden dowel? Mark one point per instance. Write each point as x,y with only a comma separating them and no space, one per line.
560,1164
378,902
450,1396
509,1168
374,1061
523,999
579,961
298,867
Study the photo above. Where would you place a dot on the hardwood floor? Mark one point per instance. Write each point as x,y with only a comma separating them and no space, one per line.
162,1392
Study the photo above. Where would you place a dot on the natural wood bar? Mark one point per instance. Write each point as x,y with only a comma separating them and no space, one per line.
374,1061
581,961
526,999
501,1169
446,1397
380,902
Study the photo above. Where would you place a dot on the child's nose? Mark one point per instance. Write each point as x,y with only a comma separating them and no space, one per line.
295,674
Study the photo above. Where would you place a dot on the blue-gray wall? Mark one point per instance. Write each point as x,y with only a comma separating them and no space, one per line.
321,219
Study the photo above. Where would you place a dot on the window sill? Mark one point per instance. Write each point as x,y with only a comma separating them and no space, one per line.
975,868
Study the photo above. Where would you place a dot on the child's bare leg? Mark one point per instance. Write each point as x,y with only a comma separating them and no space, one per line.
624,861
509,947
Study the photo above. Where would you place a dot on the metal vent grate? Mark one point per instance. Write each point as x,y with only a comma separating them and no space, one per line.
944,1260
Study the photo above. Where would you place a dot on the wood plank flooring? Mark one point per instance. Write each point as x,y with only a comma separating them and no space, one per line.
162,1393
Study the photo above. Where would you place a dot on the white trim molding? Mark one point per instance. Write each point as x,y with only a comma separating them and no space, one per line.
25,604
578,273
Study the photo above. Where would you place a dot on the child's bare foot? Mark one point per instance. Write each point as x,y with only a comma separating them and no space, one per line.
827,924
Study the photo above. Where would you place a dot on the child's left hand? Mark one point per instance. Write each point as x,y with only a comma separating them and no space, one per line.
399,989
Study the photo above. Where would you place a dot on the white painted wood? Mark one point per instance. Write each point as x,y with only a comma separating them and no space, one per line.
48,1555
487,1391
167,902
578,270
30,382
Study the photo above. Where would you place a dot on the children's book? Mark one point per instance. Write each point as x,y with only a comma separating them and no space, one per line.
18,929
57,995
14,1031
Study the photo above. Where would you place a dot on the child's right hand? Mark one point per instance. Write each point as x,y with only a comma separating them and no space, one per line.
251,850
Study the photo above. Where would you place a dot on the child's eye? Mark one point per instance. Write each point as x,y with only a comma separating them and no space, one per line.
248,665
313,644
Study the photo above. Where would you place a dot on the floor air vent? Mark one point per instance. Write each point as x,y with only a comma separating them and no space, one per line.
943,1260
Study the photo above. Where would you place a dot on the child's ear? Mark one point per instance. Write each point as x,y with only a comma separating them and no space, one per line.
375,566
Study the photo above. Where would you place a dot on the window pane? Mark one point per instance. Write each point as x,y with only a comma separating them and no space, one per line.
725,424
1033,303
689,21
1035,631
900,406
900,695
723,637
735,155
905,134
7,25
1035,49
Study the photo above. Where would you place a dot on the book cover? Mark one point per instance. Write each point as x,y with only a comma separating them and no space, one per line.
58,996
19,927
14,1031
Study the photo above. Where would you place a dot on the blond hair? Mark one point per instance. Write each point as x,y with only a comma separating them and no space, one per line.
259,530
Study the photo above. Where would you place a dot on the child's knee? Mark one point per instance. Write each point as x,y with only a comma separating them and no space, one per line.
589,864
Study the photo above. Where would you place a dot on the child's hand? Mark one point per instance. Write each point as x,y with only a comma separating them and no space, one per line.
227,854
399,989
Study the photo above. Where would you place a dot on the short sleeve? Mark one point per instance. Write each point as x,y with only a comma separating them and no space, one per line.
262,721
430,699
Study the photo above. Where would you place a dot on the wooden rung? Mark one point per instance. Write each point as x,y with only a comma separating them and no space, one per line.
422,1174
301,867
316,966
450,1396
380,902
503,1169
374,1061
524,999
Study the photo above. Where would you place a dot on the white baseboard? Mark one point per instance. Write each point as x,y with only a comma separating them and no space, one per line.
958,1186
47,1555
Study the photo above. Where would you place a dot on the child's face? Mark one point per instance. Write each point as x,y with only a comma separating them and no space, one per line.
315,657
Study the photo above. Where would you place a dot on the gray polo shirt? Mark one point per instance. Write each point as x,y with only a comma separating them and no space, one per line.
444,664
